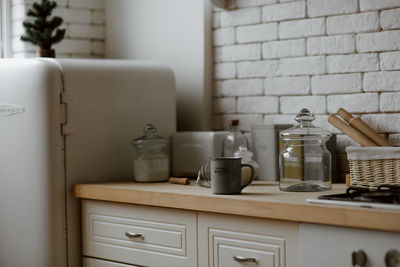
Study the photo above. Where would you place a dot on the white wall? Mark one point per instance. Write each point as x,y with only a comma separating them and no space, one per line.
177,32
273,58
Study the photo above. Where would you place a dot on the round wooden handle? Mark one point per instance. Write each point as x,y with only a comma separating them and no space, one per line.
362,127
350,131
175,180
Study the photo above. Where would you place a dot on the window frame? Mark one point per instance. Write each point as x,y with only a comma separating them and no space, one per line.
5,28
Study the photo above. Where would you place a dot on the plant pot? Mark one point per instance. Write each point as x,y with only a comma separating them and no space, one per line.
46,53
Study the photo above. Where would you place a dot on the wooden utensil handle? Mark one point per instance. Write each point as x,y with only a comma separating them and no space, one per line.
175,180
362,127
350,131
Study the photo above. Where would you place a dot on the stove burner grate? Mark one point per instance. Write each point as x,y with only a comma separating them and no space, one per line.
388,194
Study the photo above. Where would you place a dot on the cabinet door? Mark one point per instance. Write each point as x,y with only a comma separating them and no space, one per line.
139,235
234,241
332,246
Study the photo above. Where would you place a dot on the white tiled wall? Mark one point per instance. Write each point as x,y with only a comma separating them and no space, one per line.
273,58
84,23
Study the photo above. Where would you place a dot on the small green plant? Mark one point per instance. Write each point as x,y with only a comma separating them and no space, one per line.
43,30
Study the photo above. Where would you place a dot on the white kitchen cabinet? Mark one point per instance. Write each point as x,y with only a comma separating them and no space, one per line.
141,235
234,241
122,235
332,246
89,262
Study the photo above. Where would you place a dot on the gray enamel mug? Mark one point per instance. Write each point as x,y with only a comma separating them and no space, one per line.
226,175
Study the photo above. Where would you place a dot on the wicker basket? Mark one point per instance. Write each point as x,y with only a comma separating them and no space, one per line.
374,166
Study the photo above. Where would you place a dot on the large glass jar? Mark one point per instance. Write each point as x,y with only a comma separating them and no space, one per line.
151,162
304,161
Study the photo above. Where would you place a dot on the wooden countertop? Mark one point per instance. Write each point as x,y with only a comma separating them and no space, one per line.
260,199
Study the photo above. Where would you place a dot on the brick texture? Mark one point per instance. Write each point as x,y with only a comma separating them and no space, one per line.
302,65
390,61
358,103
354,23
301,28
293,104
322,55
292,10
254,33
390,102
286,48
378,41
376,5
241,17
252,69
295,85
383,81
317,8
336,84
390,19
258,104
338,44
352,63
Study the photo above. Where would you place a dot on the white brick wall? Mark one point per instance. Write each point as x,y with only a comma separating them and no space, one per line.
378,41
301,28
357,103
84,23
336,84
288,85
390,61
317,8
286,48
255,33
284,55
355,23
384,81
352,63
337,44
252,69
292,10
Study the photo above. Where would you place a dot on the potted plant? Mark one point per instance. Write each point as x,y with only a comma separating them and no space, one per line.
43,30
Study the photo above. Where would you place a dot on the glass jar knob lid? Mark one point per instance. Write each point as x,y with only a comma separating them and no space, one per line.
304,116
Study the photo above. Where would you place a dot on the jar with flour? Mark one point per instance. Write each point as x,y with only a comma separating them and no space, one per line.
151,162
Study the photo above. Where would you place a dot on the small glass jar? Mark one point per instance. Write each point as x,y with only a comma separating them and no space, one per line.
304,162
247,158
151,162
233,140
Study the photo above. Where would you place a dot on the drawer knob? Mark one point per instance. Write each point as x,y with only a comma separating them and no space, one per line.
244,259
134,235
392,258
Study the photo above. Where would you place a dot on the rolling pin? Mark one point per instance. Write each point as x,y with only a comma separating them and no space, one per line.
175,180
350,131
364,128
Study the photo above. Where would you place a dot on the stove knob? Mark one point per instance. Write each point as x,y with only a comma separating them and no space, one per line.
359,258
392,258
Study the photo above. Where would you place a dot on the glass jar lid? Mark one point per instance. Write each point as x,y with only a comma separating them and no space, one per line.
149,137
305,130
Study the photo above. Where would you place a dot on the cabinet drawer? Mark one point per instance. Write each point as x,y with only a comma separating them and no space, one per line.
142,235
89,262
233,241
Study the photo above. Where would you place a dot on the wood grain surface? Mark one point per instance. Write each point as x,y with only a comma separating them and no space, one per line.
260,199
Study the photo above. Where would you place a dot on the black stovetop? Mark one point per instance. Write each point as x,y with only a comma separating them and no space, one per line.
388,194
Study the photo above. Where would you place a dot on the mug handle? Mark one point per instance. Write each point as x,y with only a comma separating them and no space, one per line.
252,174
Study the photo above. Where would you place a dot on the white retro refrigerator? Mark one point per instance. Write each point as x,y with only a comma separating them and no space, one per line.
66,122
